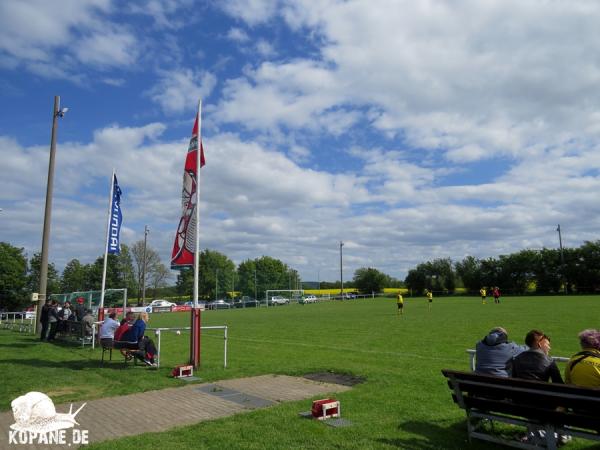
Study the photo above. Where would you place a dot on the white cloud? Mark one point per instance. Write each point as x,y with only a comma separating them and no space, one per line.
117,48
237,35
180,89
253,12
166,13
473,80
265,48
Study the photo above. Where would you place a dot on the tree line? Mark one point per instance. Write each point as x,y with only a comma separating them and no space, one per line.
545,271
20,275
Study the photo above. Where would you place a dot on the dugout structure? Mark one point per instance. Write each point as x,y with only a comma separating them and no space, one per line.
114,297
291,294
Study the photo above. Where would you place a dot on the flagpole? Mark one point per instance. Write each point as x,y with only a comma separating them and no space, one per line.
198,166
195,318
110,197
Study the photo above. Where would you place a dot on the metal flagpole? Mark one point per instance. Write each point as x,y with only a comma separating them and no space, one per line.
195,318
110,199
197,251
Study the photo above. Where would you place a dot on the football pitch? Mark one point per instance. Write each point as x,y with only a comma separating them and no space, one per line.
404,401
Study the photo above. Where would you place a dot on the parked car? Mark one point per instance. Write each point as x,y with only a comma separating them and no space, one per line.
161,303
218,304
191,304
308,299
279,300
349,296
245,302
251,303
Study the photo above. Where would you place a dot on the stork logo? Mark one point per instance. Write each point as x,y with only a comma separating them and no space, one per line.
37,422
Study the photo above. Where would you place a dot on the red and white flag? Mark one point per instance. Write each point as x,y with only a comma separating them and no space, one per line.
185,240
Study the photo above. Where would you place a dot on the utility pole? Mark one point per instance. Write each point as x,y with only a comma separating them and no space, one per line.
56,113
562,258
255,289
341,271
216,283
146,231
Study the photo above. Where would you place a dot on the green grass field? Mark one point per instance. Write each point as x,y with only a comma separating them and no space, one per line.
404,402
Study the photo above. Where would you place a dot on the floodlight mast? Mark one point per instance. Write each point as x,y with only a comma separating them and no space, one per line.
341,271
56,113
562,259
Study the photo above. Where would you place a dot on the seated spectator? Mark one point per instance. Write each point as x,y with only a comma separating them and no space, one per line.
107,330
535,364
135,333
494,351
145,352
119,340
583,369
87,322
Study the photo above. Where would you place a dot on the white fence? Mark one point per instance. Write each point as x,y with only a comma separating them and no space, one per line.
24,322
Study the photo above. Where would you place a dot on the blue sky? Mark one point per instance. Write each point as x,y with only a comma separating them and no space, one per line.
409,130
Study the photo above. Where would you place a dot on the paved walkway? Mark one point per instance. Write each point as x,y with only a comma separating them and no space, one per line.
115,417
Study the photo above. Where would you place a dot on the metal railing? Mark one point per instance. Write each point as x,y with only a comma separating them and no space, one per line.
18,321
158,332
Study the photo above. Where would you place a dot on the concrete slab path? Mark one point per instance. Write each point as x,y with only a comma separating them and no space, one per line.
115,417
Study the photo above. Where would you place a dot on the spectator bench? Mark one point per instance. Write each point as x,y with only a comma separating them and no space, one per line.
556,408
75,331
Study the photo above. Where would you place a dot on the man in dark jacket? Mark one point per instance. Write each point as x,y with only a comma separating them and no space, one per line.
53,319
535,364
494,352
79,309
44,320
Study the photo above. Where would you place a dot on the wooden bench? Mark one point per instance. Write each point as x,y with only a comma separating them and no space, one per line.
555,408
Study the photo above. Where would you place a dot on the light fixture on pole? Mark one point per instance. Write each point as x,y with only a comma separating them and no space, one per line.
319,278
56,113
562,258
341,271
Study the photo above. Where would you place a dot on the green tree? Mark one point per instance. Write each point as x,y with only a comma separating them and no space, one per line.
246,272
469,271
547,271
13,277
215,276
119,272
159,277
368,280
582,269
152,263
437,275
33,279
74,277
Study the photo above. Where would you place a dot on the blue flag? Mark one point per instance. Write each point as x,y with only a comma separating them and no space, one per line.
115,219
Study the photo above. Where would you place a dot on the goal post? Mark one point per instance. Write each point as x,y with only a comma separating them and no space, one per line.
291,294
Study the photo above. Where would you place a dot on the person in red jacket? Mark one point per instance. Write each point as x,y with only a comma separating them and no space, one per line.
119,341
